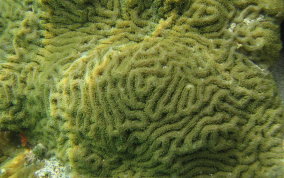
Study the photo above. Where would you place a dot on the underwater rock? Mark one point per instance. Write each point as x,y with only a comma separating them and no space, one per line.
52,169
174,88
17,167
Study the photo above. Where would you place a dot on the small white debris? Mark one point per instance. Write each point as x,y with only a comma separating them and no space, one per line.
189,86
239,45
258,67
232,27
2,171
248,21
260,18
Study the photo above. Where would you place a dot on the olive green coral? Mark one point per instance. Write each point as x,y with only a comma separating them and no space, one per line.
146,88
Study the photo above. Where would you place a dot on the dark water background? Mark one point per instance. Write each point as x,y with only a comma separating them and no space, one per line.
278,68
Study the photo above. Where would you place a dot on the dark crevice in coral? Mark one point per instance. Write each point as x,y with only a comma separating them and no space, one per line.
282,35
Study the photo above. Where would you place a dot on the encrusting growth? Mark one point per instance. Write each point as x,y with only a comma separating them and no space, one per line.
145,88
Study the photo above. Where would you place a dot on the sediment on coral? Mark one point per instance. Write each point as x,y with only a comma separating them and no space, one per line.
145,88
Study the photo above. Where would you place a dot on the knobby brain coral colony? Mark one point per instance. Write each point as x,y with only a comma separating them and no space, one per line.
145,88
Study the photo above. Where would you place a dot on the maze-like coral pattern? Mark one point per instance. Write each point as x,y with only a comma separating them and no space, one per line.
147,88
21,103
148,109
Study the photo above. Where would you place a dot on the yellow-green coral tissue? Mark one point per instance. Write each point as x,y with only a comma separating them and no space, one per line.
140,88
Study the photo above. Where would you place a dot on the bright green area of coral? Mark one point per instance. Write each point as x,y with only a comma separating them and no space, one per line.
145,88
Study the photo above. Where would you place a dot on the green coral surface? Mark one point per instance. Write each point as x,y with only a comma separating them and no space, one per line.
145,88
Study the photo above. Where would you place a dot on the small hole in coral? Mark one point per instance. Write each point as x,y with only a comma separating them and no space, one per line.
54,101
218,46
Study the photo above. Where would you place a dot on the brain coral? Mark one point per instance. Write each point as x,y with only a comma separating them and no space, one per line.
145,88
